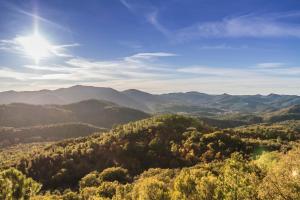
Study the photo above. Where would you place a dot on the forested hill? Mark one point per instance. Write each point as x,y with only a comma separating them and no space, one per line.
95,112
168,157
168,141
10,136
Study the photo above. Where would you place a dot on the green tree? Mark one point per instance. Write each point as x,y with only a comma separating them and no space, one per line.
282,181
194,184
150,189
15,186
238,180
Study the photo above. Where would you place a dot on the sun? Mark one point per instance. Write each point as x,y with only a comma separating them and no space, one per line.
35,46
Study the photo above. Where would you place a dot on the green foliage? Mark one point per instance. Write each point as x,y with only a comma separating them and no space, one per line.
150,189
112,174
194,184
238,179
283,180
107,189
118,174
46,133
168,157
133,146
15,186
267,160
90,180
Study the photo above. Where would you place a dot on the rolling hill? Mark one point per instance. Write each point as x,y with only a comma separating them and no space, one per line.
47,133
289,113
168,141
95,112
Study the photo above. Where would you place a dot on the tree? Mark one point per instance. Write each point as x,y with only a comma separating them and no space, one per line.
194,184
282,181
115,174
238,179
150,189
15,186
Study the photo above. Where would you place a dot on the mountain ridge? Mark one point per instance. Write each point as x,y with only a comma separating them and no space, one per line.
153,103
96,112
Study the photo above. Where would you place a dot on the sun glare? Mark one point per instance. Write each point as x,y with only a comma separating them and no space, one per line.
35,46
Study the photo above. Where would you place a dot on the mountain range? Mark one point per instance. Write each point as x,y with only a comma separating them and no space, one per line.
155,103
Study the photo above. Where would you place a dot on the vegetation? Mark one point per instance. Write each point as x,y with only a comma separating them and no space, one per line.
234,178
11,136
167,157
14,185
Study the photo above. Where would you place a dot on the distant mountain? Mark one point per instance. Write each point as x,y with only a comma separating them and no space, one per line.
151,102
70,95
95,112
234,103
289,113
154,103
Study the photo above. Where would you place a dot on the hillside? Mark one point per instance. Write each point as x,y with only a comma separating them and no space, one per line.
95,112
289,113
154,103
11,136
169,141
168,149
154,142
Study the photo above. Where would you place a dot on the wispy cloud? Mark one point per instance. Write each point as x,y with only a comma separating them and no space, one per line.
270,65
15,7
259,70
13,74
138,58
145,71
251,25
222,46
223,72
153,19
149,13
81,70
127,5
272,25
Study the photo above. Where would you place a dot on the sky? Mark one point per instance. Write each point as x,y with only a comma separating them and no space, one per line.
211,46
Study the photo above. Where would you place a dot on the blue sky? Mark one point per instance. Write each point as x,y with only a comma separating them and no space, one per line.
212,46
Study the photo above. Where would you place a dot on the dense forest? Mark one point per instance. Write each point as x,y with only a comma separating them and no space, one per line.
53,132
163,157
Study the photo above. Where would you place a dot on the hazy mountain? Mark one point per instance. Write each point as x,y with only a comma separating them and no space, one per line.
154,103
95,112
237,103
69,95
289,113
151,102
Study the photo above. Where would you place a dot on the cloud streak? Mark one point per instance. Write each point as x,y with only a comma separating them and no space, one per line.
251,25
243,26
